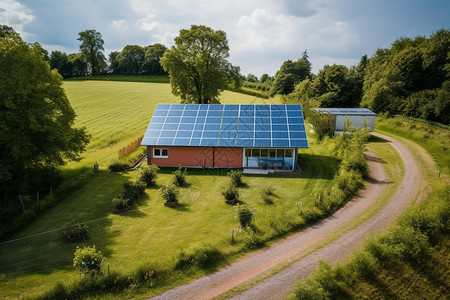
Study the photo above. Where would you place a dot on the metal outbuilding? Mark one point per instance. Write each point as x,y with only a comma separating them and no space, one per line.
357,116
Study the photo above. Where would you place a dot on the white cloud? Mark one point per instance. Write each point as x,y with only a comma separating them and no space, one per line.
15,15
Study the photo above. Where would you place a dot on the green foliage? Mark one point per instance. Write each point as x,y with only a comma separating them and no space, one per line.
235,177
133,191
245,215
118,167
231,193
153,55
74,232
266,194
179,178
149,174
197,65
131,59
411,78
199,256
88,260
34,107
92,46
290,74
120,203
169,193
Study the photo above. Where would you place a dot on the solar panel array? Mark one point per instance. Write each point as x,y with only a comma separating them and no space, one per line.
348,111
229,125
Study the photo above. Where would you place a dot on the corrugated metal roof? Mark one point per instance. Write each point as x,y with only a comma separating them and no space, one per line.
348,111
227,125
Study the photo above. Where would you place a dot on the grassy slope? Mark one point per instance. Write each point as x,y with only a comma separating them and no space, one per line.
152,232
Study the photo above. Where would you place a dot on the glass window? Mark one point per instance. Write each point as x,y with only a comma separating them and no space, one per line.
288,152
272,152
160,153
280,152
255,152
264,152
248,152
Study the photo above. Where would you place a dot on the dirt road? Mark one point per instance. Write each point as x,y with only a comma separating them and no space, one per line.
302,243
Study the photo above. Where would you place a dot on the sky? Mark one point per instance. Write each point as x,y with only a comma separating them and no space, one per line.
262,34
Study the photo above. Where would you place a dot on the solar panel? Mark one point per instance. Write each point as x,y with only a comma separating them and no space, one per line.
229,125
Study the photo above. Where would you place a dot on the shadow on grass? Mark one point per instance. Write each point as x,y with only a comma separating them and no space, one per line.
181,207
45,252
376,139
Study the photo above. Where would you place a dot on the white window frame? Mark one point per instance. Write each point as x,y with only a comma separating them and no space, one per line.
160,151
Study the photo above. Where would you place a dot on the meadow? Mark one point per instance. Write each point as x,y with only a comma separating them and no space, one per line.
116,113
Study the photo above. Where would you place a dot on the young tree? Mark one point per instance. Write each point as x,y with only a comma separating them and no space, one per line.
197,65
92,47
36,120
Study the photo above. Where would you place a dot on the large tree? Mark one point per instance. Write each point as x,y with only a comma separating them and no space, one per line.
131,59
36,120
197,65
92,47
290,74
153,56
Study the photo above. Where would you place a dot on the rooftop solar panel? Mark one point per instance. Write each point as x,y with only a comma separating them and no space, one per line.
348,111
228,125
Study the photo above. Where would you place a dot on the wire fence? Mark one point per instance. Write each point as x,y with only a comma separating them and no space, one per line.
47,251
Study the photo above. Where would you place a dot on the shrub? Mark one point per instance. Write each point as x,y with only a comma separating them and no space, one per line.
120,203
266,193
230,193
405,242
75,232
180,177
88,260
133,191
200,256
118,167
169,193
235,177
245,215
149,174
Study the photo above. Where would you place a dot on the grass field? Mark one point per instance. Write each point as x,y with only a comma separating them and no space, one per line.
116,113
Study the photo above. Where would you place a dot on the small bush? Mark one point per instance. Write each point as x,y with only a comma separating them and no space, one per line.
133,191
180,177
169,193
235,177
149,174
118,167
88,260
245,215
266,194
120,203
266,198
74,232
230,193
199,256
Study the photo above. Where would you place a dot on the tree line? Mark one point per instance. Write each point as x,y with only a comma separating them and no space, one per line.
132,60
411,78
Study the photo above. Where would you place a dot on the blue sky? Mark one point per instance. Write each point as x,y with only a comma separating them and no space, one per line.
261,33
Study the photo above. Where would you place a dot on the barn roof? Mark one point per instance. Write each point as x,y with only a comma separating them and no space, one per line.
228,125
348,111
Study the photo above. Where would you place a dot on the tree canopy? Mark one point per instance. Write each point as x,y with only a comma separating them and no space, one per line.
36,120
92,46
411,78
290,74
197,65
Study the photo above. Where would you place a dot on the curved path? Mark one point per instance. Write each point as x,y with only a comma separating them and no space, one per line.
300,246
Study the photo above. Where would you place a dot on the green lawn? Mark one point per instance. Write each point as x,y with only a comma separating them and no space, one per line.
116,113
